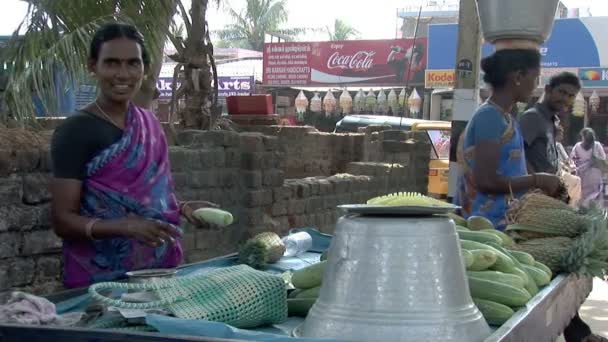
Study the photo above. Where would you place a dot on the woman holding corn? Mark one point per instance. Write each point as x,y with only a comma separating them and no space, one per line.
114,203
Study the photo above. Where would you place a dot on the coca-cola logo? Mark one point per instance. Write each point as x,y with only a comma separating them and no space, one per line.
361,60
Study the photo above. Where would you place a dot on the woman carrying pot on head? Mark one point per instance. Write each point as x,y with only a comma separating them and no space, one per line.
491,149
587,155
114,204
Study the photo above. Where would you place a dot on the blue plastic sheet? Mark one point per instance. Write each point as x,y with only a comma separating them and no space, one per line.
277,333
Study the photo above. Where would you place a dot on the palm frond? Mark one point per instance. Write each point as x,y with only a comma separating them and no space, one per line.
259,18
39,75
56,42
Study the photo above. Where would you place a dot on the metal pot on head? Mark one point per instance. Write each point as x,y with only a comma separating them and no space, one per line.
516,19
395,279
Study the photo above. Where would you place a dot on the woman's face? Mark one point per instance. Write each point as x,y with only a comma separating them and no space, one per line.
528,81
588,138
119,69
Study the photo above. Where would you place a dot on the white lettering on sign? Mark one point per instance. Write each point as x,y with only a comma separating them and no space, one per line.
234,85
604,75
543,51
360,60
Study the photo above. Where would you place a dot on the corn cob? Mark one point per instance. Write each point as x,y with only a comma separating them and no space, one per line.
551,222
548,251
407,199
264,248
518,234
534,200
585,255
589,252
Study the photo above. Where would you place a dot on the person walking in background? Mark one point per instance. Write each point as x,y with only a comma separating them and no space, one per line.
585,153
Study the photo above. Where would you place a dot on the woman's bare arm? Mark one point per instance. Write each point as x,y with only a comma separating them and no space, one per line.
65,210
487,154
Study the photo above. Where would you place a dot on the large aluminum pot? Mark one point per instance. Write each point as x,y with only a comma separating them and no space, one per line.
517,19
395,279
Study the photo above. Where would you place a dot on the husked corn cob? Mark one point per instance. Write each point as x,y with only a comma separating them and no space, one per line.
407,199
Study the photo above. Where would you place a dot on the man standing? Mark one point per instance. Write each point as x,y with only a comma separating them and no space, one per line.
539,129
538,124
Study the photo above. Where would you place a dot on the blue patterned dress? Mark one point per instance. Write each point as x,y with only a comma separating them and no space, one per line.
489,123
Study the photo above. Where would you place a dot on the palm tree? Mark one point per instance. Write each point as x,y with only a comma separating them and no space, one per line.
56,42
261,17
342,31
195,72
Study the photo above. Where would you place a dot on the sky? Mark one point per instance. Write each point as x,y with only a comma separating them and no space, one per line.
374,19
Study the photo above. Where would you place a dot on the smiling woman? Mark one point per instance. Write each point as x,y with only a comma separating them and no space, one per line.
113,198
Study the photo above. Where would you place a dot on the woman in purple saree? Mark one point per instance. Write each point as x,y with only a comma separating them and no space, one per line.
113,194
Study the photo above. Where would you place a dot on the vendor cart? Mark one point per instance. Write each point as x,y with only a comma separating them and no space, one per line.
542,319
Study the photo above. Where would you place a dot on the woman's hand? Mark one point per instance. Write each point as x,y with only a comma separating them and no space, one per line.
548,183
151,232
188,208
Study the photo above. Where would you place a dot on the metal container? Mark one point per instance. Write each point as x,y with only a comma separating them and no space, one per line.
395,279
516,19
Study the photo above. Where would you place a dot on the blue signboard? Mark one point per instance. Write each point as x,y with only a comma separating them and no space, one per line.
573,43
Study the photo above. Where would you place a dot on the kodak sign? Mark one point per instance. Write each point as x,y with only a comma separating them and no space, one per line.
439,79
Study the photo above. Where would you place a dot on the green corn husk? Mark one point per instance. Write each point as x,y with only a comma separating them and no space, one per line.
551,222
585,255
548,251
262,249
589,253
534,200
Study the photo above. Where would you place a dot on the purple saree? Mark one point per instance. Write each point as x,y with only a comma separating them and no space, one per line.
132,176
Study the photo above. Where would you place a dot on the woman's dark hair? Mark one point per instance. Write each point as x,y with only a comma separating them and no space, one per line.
113,31
588,132
565,78
503,62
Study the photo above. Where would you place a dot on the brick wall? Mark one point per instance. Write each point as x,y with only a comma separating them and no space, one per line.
244,173
312,153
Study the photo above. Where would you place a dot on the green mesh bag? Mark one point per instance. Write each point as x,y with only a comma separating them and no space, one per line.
239,296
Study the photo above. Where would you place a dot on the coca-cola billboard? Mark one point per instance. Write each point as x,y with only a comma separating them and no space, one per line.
393,62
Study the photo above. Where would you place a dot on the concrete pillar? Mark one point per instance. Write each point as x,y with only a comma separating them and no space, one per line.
435,111
466,91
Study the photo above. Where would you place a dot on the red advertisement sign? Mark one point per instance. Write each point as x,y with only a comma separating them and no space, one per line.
353,62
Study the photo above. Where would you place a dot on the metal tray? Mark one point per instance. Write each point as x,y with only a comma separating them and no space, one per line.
367,209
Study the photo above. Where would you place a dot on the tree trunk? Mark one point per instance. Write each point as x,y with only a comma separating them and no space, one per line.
145,97
147,92
197,113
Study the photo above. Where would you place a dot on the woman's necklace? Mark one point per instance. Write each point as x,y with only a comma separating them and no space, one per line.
109,118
